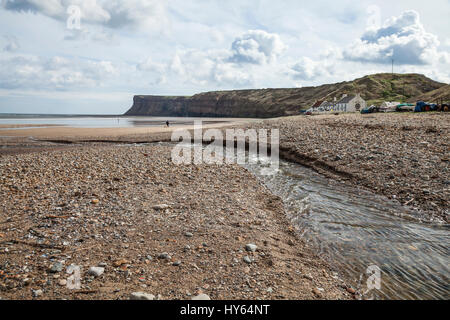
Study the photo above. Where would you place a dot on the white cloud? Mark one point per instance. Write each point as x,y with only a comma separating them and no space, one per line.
402,38
109,13
308,69
31,72
257,47
179,47
220,67
205,67
153,72
12,44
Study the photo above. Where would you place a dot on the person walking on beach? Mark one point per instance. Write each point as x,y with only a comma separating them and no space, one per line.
167,123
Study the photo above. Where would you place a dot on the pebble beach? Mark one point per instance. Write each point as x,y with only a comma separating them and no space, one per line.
133,222
140,227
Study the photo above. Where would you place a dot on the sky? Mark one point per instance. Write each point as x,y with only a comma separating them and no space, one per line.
93,56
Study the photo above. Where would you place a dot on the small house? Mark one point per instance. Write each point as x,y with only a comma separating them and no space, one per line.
350,103
316,106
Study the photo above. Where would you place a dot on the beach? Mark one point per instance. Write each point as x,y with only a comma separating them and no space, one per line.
91,199
403,156
171,231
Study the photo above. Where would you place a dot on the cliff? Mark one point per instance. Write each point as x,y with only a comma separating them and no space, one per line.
269,103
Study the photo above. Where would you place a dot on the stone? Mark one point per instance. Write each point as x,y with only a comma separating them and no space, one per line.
56,267
37,293
308,276
176,263
188,235
164,256
317,293
351,290
251,247
141,296
63,282
96,271
247,260
202,296
120,262
161,207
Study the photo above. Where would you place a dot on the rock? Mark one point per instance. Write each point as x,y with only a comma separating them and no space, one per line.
188,235
120,262
201,297
63,282
95,201
251,247
176,263
351,290
317,293
141,296
102,264
96,271
164,256
247,260
308,276
161,207
56,267
37,293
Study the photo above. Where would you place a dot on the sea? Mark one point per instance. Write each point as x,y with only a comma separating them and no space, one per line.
96,121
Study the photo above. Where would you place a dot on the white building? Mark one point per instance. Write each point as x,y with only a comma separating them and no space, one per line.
352,103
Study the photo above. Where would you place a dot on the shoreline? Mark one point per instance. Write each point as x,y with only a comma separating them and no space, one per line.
231,181
352,148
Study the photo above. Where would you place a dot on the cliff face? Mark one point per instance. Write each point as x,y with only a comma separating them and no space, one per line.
158,106
233,104
270,103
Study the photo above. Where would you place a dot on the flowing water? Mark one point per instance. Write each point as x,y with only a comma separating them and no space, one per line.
354,229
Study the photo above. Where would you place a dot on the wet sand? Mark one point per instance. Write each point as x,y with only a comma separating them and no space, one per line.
63,132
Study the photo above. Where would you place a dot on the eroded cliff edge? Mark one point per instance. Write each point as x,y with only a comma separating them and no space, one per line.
270,103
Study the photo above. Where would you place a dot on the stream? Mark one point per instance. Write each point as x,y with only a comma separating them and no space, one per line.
354,229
